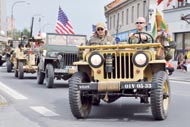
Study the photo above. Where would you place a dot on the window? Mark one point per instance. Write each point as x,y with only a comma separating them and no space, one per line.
118,17
122,20
183,3
144,8
110,23
114,21
127,16
179,40
187,40
132,15
138,10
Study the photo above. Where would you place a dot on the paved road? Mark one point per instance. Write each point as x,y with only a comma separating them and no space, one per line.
34,105
179,75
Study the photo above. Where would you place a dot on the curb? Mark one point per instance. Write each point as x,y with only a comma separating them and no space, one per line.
3,101
182,80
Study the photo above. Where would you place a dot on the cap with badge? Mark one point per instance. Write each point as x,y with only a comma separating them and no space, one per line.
100,25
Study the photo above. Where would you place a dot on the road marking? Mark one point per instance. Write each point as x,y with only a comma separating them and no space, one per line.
43,111
12,92
3,101
184,82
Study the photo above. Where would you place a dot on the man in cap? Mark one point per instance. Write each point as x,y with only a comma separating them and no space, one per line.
140,25
101,36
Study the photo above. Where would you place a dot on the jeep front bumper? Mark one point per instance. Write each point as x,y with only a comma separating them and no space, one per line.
115,86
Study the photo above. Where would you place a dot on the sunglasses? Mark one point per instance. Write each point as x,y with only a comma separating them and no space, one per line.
139,22
100,29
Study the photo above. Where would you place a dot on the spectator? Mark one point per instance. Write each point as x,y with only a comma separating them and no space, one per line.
182,62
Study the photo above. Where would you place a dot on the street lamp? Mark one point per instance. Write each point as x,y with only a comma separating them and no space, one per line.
186,18
13,5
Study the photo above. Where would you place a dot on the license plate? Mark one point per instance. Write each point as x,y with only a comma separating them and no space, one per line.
137,85
60,70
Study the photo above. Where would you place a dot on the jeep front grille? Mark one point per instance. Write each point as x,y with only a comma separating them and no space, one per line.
122,67
69,58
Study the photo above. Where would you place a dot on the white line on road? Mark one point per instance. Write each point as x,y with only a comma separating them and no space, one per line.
12,92
43,111
184,82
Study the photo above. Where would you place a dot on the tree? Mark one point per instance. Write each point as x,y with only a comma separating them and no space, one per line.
17,33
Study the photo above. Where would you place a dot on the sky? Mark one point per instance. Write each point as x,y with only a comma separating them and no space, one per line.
81,13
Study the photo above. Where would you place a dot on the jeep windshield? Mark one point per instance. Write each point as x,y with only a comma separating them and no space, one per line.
65,39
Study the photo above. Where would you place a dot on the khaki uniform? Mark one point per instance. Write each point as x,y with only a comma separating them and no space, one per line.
135,40
19,53
95,40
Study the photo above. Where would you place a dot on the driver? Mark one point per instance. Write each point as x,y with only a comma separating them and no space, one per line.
142,38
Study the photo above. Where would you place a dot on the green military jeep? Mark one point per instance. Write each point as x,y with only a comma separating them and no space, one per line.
57,56
108,72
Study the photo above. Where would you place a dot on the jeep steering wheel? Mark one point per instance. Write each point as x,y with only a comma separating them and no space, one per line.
138,40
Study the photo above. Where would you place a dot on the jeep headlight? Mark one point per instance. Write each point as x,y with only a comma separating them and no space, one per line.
52,54
59,57
44,52
95,59
140,59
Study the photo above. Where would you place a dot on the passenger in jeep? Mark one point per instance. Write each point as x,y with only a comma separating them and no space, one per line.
101,36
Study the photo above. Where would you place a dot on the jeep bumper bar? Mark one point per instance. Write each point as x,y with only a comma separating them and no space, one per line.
115,86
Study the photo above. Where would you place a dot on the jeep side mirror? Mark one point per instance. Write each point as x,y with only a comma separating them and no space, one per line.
172,44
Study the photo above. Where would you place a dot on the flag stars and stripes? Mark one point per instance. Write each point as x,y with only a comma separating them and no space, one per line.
63,25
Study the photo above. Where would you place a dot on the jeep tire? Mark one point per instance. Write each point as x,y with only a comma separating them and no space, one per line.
15,72
49,76
160,96
80,105
1,62
96,100
40,77
20,70
9,65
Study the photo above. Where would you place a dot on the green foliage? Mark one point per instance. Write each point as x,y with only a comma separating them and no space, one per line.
17,33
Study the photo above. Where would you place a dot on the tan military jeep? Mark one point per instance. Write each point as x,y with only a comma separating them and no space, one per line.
108,72
25,61
2,54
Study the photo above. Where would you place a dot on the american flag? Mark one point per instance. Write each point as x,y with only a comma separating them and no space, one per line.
93,28
63,25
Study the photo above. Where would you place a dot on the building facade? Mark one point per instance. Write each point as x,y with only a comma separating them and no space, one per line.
3,15
179,28
121,16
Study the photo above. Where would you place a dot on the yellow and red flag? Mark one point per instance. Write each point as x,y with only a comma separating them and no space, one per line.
168,3
159,1
159,24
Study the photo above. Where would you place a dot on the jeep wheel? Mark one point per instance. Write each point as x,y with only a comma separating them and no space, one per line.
96,100
49,76
40,77
16,72
9,66
80,105
1,62
20,70
160,97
